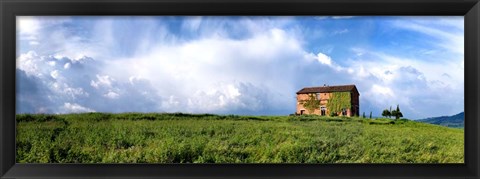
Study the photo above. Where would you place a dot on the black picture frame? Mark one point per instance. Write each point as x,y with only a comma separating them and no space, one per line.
9,9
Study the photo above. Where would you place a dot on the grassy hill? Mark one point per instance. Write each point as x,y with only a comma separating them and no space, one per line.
207,138
456,121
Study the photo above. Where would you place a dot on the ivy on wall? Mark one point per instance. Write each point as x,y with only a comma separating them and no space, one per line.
311,104
338,101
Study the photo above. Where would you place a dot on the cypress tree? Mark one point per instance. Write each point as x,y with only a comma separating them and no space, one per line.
398,114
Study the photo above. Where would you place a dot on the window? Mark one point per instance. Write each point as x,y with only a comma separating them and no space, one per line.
323,110
344,112
318,96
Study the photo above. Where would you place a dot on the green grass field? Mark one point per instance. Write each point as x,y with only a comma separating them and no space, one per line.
205,138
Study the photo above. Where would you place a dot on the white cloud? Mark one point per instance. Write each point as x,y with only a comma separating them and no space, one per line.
193,23
337,32
358,51
28,62
34,43
76,108
111,95
225,98
52,87
28,27
321,17
74,93
52,63
242,66
67,65
54,74
333,17
448,30
342,17
417,85
324,59
102,81
207,74
382,90
47,36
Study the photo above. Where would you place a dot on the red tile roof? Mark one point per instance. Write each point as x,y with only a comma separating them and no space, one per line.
325,89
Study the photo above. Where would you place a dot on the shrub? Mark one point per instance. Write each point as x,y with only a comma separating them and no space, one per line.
333,114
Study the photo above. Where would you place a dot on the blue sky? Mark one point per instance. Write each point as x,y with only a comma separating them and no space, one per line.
236,64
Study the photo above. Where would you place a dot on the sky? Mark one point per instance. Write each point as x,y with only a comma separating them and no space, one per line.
244,65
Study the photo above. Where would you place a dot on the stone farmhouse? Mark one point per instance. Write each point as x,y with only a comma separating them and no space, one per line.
324,94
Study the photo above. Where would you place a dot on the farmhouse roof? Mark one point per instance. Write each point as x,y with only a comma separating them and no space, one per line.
326,89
